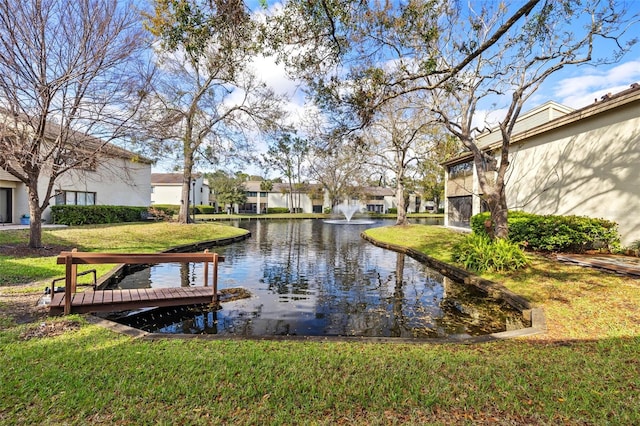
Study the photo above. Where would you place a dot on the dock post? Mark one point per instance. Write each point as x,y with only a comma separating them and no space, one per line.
206,270
215,279
74,273
71,278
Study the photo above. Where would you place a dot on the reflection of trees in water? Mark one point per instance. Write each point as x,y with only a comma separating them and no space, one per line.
239,322
212,321
340,285
468,309
287,265
187,274
397,318
206,323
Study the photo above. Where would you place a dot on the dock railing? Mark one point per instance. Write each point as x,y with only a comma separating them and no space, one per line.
71,260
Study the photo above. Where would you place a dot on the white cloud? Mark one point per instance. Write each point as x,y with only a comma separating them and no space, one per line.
581,90
488,118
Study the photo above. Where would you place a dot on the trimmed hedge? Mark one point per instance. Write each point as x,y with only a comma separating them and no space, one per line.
555,233
393,210
278,210
173,209
89,215
168,209
204,209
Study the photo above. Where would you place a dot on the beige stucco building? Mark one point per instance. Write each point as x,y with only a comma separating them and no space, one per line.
116,177
584,162
312,198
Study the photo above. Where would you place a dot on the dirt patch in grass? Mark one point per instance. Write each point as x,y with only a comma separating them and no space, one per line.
19,304
49,329
23,250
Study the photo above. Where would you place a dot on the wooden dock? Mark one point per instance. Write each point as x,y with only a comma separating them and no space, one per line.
129,299
117,300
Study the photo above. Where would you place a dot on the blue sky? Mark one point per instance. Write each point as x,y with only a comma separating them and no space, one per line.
579,86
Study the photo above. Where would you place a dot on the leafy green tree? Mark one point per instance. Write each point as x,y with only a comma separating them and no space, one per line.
265,186
205,97
228,189
356,56
339,168
399,138
288,155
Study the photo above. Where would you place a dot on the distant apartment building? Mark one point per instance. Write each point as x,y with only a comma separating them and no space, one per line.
166,188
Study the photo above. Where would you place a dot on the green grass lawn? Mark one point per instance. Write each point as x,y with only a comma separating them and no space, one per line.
571,375
121,238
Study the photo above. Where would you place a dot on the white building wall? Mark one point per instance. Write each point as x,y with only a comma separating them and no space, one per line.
536,117
589,168
389,202
116,181
171,193
166,194
277,199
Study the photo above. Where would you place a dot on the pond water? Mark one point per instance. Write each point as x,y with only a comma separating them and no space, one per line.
311,278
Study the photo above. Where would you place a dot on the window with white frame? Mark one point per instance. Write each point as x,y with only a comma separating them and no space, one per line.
78,198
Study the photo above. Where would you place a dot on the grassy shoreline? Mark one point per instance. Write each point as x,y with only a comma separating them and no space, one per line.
569,376
579,303
119,238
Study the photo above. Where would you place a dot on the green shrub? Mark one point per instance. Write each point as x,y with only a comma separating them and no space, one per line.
204,209
278,210
393,210
168,209
88,215
556,233
479,253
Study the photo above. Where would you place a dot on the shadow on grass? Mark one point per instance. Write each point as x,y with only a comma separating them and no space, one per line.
20,264
517,382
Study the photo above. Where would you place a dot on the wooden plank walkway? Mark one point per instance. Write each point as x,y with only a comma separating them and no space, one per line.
128,299
612,263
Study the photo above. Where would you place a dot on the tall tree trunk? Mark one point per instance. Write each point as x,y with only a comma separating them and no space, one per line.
497,202
491,180
291,208
183,217
402,208
35,215
400,198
